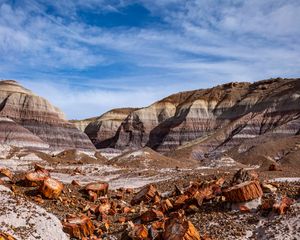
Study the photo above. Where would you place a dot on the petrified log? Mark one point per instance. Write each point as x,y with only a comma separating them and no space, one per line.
243,192
103,208
180,201
100,188
6,173
138,232
178,228
165,205
92,196
146,194
51,188
36,178
78,227
6,236
151,215
282,206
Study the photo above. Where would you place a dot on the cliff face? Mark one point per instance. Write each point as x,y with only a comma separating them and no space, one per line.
29,120
214,120
103,131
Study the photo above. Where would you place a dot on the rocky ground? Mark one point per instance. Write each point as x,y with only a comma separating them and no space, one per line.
117,217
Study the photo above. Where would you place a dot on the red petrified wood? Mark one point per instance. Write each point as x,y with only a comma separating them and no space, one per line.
5,236
100,188
138,232
146,194
165,205
51,188
6,173
151,215
178,228
78,226
36,178
282,206
243,192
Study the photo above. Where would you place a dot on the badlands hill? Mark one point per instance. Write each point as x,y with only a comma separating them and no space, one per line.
102,130
203,123
27,120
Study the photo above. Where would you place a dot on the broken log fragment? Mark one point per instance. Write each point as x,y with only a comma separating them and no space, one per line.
100,188
92,196
165,205
6,173
78,226
6,236
151,215
51,188
35,178
178,228
282,206
242,192
146,194
135,232
180,201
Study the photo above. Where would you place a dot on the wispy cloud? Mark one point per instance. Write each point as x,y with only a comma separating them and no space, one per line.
195,44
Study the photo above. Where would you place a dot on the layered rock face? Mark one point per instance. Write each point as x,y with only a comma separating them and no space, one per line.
28,120
103,131
213,120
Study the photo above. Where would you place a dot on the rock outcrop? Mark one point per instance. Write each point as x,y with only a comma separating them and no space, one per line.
204,123
103,131
27,120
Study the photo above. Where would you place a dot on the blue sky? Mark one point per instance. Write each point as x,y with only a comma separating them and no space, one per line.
88,56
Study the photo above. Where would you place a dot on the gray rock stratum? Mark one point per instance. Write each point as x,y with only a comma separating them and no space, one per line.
208,121
27,120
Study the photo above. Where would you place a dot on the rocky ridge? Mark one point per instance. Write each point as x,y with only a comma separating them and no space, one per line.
203,123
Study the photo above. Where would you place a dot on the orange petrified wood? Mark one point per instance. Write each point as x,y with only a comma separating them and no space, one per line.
151,215
242,192
78,226
100,188
35,178
146,194
6,172
51,188
178,228
138,232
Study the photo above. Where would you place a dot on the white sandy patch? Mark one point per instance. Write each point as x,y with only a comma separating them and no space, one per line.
17,164
286,179
25,220
135,182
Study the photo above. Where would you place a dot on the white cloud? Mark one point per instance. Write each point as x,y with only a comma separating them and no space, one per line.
201,44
